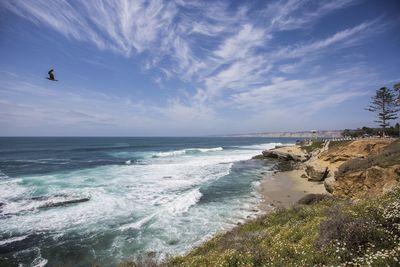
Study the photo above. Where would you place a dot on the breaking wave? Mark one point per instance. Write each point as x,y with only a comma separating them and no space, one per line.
182,203
186,151
142,199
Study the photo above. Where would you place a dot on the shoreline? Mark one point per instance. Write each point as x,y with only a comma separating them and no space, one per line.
282,189
280,232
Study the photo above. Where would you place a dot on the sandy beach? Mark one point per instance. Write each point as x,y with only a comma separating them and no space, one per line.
285,188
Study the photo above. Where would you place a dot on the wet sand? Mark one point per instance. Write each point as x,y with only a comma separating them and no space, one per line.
283,189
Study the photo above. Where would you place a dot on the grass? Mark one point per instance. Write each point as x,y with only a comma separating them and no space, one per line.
330,232
334,145
313,146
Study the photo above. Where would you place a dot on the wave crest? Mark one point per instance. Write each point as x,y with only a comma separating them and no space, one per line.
186,151
183,203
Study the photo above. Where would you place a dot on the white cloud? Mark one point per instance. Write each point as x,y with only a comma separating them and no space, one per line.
240,45
28,108
295,14
232,57
164,29
309,94
240,75
346,37
122,26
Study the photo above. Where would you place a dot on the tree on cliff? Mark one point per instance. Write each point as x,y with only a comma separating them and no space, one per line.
385,105
396,87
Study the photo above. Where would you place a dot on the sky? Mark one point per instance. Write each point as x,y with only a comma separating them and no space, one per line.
190,68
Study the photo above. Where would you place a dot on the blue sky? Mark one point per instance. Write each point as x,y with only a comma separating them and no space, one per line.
161,68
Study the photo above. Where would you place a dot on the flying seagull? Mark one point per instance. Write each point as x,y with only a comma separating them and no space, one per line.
51,76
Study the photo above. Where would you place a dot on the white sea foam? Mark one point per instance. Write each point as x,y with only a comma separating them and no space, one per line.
39,262
138,224
154,154
171,153
209,149
11,189
183,202
3,175
12,240
187,151
262,146
172,206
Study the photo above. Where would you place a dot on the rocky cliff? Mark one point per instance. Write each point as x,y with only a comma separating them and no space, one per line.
369,176
352,169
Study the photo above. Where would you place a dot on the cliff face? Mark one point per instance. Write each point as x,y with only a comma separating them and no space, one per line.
354,149
324,162
374,181
352,169
369,176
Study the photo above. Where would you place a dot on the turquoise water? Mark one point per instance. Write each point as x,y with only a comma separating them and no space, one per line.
79,201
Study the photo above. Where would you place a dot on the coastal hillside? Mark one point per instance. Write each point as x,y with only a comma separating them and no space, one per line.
369,176
355,223
332,232
359,169
356,169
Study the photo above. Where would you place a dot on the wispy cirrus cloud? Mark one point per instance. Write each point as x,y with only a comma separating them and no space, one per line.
232,55
295,14
308,94
346,37
166,28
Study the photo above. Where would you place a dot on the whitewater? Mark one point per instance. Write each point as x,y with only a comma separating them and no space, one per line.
80,201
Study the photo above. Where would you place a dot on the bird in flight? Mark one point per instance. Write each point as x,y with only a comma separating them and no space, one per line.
51,76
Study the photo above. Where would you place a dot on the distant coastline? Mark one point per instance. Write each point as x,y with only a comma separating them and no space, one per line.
299,134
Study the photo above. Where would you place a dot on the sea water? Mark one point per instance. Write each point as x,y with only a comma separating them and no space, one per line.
81,201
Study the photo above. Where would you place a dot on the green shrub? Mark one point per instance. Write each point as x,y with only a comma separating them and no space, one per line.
313,146
331,232
354,233
312,199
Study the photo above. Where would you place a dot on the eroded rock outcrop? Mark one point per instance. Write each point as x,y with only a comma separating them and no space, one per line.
375,181
371,176
324,165
287,153
351,169
354,149
316,174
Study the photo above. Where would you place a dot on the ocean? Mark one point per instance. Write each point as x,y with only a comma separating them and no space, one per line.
77,201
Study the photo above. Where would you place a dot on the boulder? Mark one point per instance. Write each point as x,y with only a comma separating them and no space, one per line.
329,184
316,174
310,199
